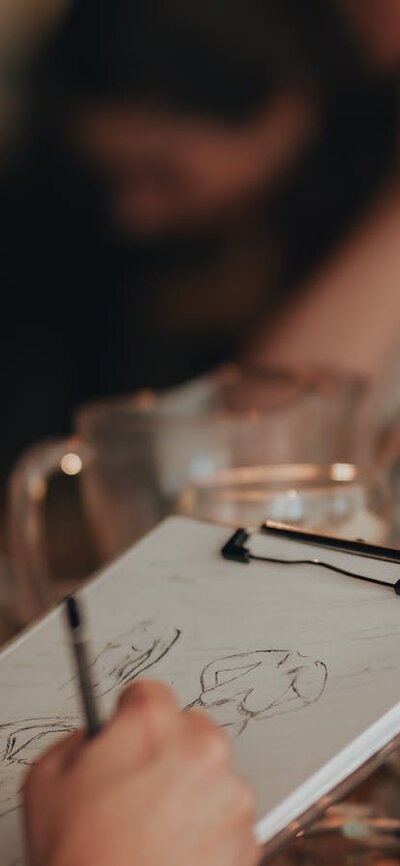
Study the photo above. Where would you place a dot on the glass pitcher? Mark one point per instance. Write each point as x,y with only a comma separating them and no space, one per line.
136,454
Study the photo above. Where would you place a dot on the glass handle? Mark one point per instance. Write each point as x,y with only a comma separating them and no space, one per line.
33,590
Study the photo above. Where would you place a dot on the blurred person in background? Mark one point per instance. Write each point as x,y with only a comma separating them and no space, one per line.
187,164
348,314
377,24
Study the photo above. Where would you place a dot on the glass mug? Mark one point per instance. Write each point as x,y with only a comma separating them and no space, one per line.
136,455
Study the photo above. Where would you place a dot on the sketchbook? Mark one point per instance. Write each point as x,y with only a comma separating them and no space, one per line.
299,664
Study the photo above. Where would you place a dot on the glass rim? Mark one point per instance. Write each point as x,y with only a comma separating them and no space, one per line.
281,473
143,407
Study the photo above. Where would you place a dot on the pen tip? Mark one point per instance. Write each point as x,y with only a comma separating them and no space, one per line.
73,614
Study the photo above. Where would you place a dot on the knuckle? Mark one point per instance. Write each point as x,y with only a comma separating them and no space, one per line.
146,696
245,801
128,693
135,693
146,711
214,746
138,700
150,708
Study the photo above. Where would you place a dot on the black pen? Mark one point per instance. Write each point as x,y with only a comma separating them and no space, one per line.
76,626
359,547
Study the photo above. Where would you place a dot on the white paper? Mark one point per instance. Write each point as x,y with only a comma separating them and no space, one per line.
300,664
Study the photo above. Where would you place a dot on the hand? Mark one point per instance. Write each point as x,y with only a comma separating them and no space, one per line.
155,786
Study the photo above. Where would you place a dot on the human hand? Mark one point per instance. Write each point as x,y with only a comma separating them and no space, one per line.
156,785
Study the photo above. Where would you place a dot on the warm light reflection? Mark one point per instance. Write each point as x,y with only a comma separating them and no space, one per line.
71,463
234,495
294,828
279,473
36,487
343,472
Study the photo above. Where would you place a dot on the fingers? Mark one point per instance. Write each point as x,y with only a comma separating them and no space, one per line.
213,749
146,713
244,850
47,773
55,760
145,717
147,693
62,754
222,806
150,759
205,741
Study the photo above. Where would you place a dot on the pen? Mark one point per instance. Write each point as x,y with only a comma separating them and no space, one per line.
76,625
360,548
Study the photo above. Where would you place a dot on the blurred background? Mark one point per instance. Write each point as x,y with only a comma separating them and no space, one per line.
199,209
171,178
188,185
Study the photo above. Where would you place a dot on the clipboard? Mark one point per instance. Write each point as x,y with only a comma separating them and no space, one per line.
299,663
253,544
353,559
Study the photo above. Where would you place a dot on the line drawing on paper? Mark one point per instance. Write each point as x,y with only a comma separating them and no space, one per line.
126,657
21,744
118,663
258,685
23,741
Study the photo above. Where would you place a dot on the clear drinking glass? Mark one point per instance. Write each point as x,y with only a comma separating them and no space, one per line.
240,443
339,499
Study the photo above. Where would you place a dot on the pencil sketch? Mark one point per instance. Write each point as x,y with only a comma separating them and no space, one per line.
124,659
20,743
118,663
257,685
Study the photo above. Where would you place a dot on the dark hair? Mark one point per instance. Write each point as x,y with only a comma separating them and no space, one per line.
216,57
226,58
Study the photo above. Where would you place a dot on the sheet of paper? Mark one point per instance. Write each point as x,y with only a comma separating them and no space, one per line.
297,664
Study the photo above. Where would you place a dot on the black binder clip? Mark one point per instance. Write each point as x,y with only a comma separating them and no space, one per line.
235,549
